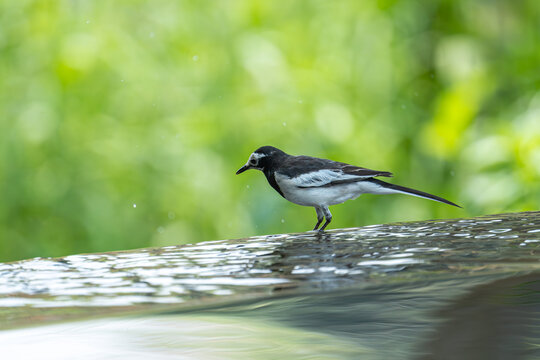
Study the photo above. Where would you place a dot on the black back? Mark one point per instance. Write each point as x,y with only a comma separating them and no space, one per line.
298,165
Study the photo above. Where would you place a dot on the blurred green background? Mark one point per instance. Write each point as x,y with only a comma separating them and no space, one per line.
123,122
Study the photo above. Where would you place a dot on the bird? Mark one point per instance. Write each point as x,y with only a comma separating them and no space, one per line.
320,183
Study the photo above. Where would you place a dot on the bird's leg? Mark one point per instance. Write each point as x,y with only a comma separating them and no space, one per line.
320,217
327,215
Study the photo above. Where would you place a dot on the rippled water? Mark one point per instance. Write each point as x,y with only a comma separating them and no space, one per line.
406,290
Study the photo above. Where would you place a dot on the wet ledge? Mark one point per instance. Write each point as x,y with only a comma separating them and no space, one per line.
225,271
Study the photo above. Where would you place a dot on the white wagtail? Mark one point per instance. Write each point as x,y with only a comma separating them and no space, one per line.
310,181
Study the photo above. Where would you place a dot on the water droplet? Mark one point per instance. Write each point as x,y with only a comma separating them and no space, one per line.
122,80
160,229
247,186
134,205
284,124
195,58
282,221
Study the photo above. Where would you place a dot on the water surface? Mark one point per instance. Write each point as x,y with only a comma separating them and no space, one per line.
406,290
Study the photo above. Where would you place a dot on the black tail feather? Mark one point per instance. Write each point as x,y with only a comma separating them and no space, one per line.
411,191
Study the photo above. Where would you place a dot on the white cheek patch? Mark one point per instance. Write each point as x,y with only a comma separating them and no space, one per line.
256,157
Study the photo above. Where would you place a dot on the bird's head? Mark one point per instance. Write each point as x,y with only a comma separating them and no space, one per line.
261,159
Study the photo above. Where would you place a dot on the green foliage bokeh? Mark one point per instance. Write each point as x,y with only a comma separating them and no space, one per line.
123,122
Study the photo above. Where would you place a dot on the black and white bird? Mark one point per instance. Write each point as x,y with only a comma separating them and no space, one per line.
310,181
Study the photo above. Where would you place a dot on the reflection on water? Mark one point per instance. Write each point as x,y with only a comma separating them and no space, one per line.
499,320
413,290
411,320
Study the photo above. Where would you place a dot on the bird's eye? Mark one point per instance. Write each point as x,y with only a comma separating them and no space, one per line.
253,162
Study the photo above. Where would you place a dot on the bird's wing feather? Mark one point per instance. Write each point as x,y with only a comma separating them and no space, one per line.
305,171
359,171
324,177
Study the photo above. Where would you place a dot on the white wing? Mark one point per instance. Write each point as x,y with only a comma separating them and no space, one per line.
324,177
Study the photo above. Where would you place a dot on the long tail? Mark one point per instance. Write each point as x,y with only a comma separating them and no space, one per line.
392,188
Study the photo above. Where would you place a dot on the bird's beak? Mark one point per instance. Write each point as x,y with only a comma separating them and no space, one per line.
242,169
